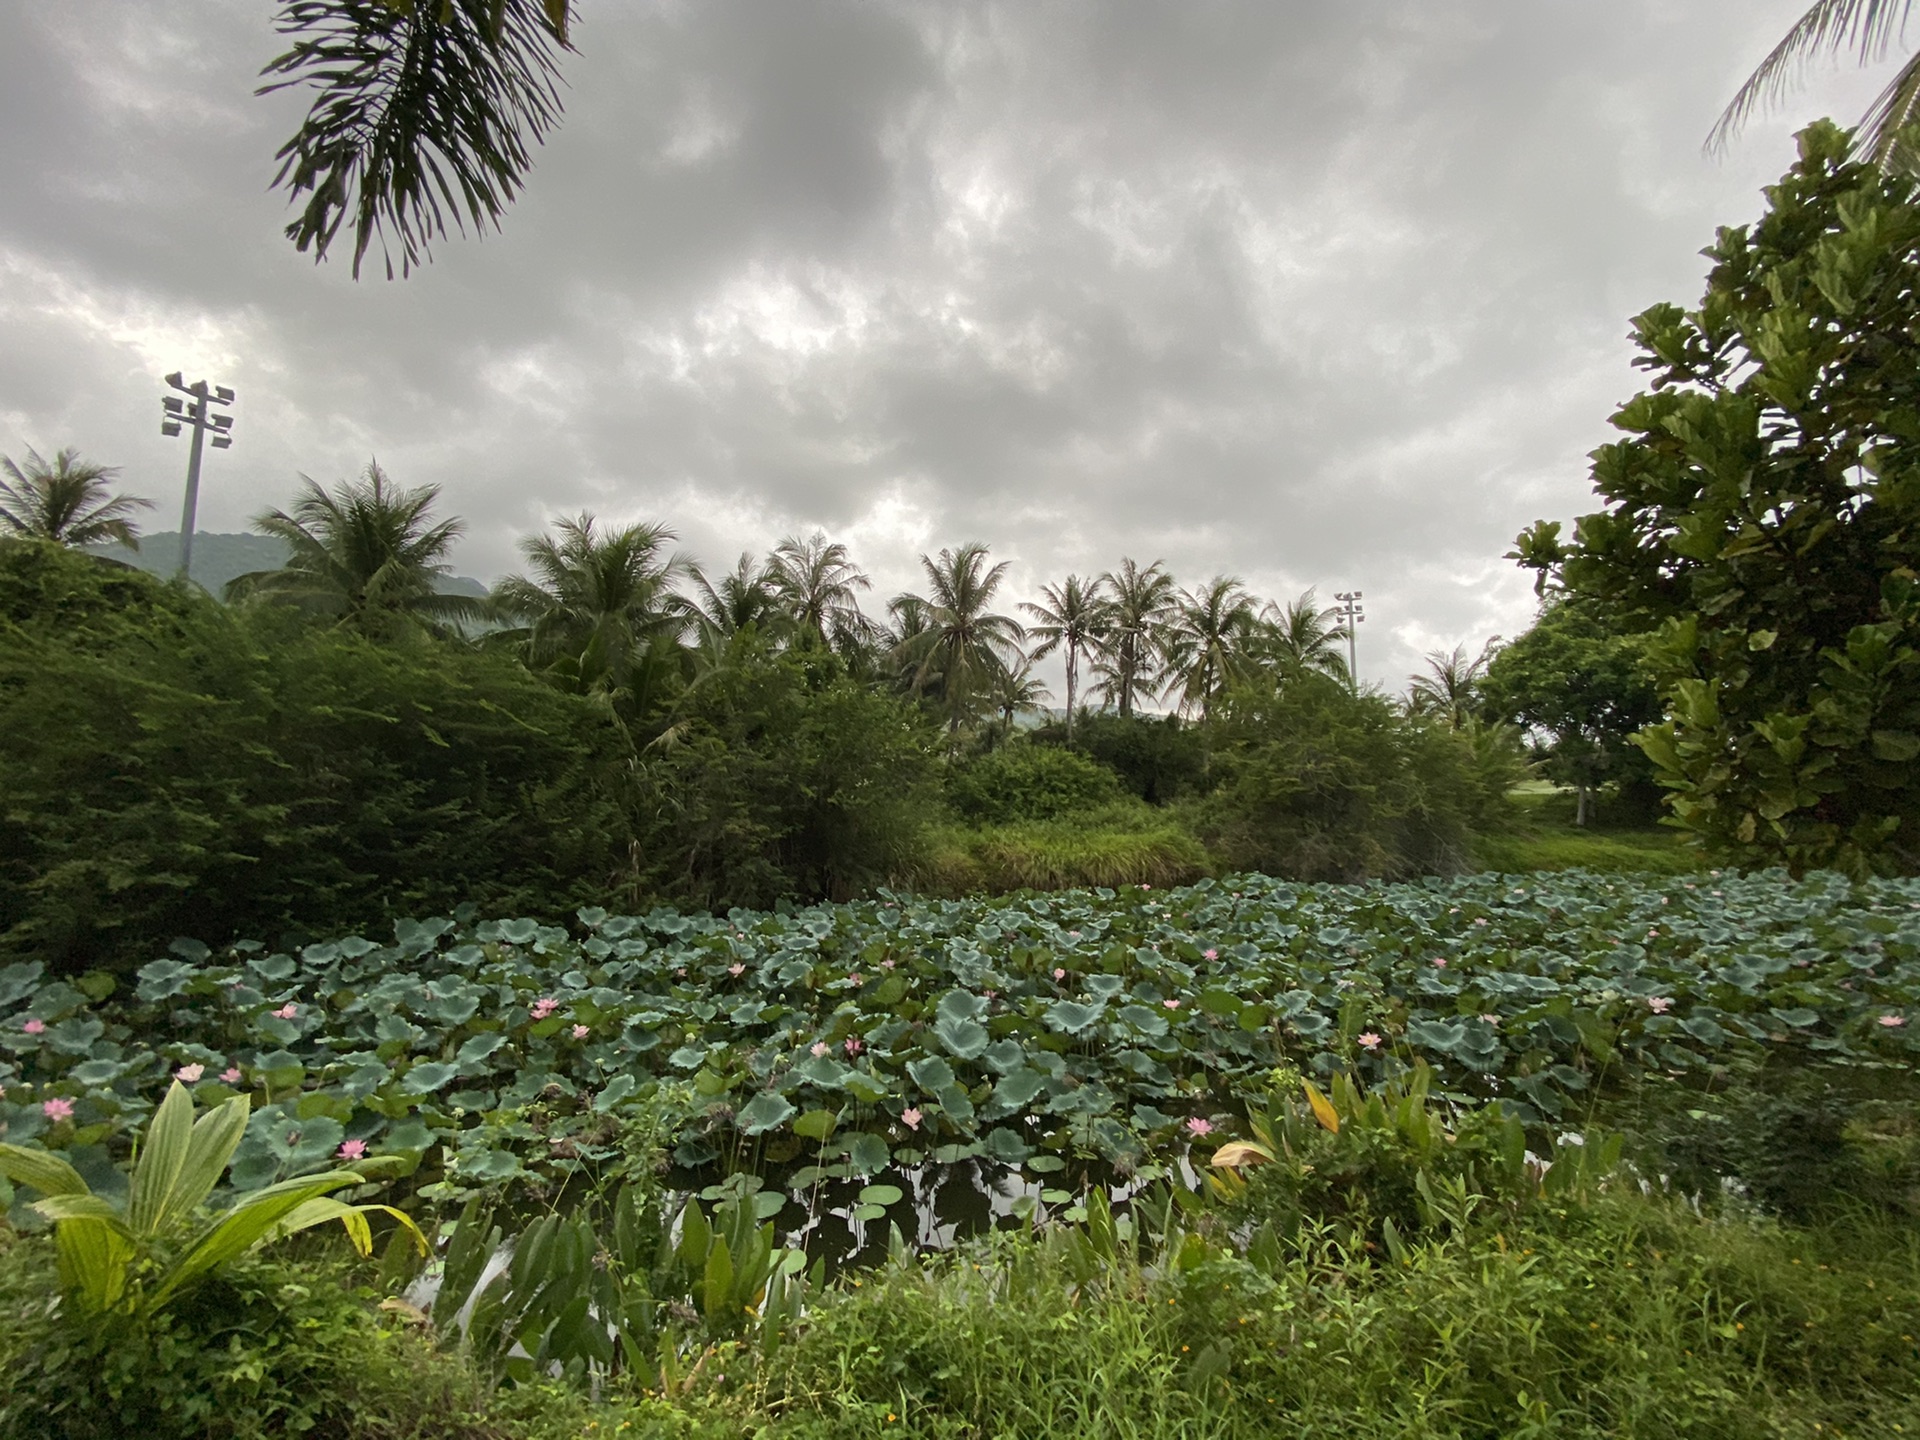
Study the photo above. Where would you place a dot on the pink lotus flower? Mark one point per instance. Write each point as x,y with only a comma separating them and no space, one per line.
681,973
1893,1022
1171,1004
1659,1004
853,1045
855,979
544,1007
35,1027
1211,954
231,1075
1439,962
189,1074
1059,974
887,964
1480,920
1490,1019
736,969
286,1011
580,1032
819,1049
352,1149
910,1117
1369,1041
1197,1126
57,1109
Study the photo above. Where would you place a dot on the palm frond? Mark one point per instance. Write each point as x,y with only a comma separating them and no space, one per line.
422,115
1868,27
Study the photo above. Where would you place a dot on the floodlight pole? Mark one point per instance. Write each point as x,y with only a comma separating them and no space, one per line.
200,416
1351,615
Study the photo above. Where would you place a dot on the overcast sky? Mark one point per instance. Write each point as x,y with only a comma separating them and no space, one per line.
1327,294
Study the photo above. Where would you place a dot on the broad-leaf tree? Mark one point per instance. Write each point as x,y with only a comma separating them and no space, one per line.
1763,510
1580,685
1072,616
366,552
422,119
68,502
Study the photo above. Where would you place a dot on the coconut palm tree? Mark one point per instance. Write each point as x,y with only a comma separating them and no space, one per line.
1447,687
67,502
1206,642
1300,637
1128,661
598,604
1869,28
743,596
964,647
1018,692
367,553
1074,616
818,585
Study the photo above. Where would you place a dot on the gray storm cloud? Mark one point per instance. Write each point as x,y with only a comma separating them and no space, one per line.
1309,294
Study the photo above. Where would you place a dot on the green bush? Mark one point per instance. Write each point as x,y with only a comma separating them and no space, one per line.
1157,757
782,778
1023,781
267,1349
1316,782
176,767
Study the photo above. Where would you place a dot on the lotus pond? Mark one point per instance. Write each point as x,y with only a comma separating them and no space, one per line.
849,1052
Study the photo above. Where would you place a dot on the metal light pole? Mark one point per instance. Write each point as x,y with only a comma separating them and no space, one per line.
199,414
1351,615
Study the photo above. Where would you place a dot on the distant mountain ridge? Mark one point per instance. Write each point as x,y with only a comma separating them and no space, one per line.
219,559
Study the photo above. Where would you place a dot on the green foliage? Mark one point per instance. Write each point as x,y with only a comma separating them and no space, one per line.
1761,511
133,1260
1029,1030
175,766
1584,684
780,779
1603,1314
67,502
1121,845
1316,782
263,1350
1157,757
1023,781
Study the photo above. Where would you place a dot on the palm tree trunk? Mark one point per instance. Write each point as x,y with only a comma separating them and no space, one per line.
1073,667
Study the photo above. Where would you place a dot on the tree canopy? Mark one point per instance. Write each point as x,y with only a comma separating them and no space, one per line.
1761,514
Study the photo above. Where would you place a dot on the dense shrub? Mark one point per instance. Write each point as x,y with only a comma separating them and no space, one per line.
176,767
1029,782
782,778
269,1349
1157,757
1316,782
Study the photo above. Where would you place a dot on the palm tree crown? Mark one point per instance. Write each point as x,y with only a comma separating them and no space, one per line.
1074,616
818,584
1300,636
1129,657
1206,642
743,596
1447,687
367,552
596,600
67,502
964,647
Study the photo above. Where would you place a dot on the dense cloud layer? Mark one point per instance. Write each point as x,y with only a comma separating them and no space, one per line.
1311,294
